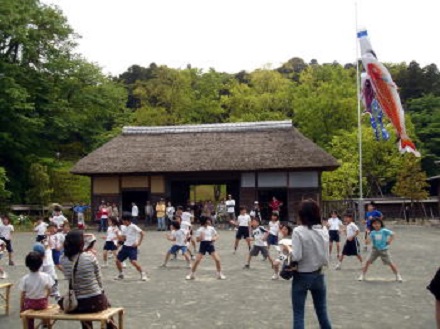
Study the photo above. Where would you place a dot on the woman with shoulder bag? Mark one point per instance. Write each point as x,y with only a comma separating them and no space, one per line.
83,271
310,249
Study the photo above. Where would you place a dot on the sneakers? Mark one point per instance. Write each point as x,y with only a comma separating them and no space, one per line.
220,276
275,277
144,276
190,276
120,276
246,267
338,266
399,278
4,276
361,277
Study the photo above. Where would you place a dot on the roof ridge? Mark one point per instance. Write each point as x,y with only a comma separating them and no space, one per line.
212,127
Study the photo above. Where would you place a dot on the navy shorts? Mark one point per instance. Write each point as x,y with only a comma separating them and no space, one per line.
56,255
334,236
351,248
110,246
40,238
272,240
8,244
174,249
206,247
127,252
242,233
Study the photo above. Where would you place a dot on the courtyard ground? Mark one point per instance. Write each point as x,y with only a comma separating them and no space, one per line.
250,299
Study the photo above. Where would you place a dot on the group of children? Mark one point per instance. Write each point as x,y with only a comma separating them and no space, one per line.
375,234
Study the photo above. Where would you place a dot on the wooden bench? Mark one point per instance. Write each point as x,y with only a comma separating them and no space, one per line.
5,296
54,314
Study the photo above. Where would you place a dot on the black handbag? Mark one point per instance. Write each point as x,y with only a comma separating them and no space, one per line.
288,269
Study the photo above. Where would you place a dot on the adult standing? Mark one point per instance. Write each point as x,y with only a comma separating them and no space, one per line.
221,211
134,213
310,249
230,208
115,210
87,278
255,212
160,212
149,213
275,205
104,211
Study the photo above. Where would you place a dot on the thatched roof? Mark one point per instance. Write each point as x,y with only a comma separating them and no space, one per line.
273,145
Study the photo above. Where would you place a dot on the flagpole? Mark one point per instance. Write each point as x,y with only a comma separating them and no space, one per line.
361,209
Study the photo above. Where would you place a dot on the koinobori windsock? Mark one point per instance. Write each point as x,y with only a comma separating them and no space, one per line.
384,91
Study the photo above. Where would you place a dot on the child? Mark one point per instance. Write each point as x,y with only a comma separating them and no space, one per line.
284,248
334,225
58,218
6,229
274,228
372,212
244,228
40,227
132,236
56,241
381,239
206,235
259,235
34,286
3,274
111,239
48,267
179,236
186,223
351,247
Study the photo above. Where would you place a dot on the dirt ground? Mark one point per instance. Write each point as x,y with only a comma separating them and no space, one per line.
250,299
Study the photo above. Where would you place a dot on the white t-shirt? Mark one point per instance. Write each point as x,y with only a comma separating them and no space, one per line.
180,236
209,232
244,220
5,231
59,220
131,233
351,230
230,206
170,211
334,224
112,233
41,228
36,284
56,241
134,211
2,247
274,227
258,235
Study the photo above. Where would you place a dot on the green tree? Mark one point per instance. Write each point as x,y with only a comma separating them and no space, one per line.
40,190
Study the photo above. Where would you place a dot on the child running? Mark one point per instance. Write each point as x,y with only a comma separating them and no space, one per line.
40,228
6,229
351,247
179,236
55,239
206,235
381,239
274,229
244,227
132,236
34,287
284,248
111,240
259,235
334,225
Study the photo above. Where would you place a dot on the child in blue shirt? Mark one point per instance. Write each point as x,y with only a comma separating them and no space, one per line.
381,239
371,213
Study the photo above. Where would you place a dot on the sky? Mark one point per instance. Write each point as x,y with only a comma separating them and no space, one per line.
235,35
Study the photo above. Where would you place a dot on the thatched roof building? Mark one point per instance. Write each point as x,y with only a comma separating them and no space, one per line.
213,147
251,154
